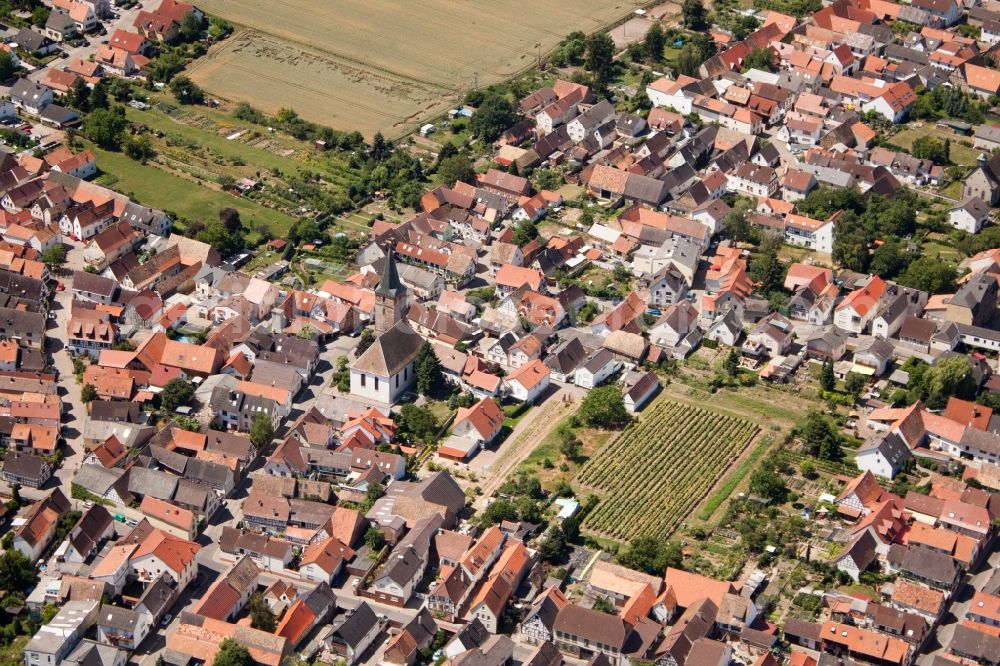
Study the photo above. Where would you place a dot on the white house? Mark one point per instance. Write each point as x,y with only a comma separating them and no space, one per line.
669,93
885,457
323,560
596,369
528,382
970,216
809,233
855,312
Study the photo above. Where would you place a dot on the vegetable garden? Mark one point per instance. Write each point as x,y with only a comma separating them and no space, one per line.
650,474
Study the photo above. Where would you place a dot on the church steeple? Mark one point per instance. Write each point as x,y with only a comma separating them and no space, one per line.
390,296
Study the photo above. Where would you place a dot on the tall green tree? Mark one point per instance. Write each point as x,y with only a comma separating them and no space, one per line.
827,380
654,42
427,368
820,436
493,117
105,127
694,16
88,393
600,59
261,615
177,392
604,407
261,431
732,363
365,341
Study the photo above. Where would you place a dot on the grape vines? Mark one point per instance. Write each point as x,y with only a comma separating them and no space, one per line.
649,476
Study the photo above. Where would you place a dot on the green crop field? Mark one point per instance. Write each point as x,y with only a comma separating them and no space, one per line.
652,474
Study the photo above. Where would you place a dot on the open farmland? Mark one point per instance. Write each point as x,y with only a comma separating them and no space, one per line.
378,64
654,472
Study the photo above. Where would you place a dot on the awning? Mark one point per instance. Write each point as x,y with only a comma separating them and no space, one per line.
862,370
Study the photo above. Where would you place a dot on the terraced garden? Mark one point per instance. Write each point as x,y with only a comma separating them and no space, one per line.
659,468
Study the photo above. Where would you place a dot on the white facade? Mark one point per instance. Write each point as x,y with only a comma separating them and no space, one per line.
382,389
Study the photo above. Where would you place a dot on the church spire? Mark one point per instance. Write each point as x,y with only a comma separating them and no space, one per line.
389,284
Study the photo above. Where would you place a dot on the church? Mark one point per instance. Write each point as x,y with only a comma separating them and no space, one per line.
385,370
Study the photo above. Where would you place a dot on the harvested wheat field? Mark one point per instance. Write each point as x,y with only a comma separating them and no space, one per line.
383,64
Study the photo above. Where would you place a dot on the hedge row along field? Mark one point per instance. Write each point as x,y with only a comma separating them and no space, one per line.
649,476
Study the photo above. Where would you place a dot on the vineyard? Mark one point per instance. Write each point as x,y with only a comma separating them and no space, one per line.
649,476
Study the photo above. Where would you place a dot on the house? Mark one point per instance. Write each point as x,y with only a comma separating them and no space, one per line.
474,428
772,336
855,312
90,532
25,469
227,596
539,623
124,628
161,554
60,26
975,303
30,97
406,564
34,535
324,560
970,216
872,356
584,633
885,457
529,382
350,640
827,343
54,641
596,369
637,392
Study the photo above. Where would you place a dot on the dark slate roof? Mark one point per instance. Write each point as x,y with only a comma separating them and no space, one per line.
930,565
389,284
357,626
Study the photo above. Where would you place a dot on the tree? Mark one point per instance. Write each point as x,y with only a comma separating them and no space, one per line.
525,231
600,58
827,380
820,436
766,483
191,26
232,653
554,546
654,42
416,423
571,50
7,65
808,469
732,362
177,392
374,539
651,555
765,267
225,241
931,148
736,225
88,393
49,611
186,91
694,16
39,16
261,431
78,95
854,383
889,259
456,167
98,96
17,572
230,219
569,445
759,58
365,341
688,61
604,407
948,377
54,256
427,368
261,616
929,274
138,147
105,126
493,117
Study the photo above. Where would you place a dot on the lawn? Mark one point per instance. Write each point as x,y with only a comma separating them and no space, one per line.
946,253
960,155
154,187
13,654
